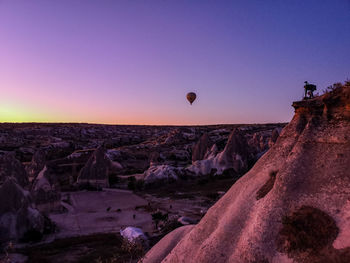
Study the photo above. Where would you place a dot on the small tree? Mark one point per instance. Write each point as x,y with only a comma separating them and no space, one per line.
158,217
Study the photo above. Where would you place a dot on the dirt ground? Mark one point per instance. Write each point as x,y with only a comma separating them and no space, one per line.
104,211
89,229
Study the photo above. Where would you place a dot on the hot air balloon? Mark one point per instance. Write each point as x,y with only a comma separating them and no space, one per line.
191,97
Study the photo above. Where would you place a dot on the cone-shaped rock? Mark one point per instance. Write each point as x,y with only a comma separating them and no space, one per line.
95,171
201,147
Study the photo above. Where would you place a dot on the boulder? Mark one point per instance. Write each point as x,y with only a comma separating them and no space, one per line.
133,234
160,173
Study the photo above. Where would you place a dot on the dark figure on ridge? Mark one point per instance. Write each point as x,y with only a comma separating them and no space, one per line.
309,90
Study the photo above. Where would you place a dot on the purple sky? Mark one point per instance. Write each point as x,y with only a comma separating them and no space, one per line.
134,61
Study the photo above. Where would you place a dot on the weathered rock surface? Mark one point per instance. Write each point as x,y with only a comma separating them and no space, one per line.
133,234
235,156
18,218
11,167
274,136
201,147
292,206
37,164
166,244
161,173
95,172
46,191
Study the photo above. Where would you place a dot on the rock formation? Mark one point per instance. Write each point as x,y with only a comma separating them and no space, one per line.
160,173
201,147
46,192
19,220
11,167
37,164
95,171
274,136
292,206
234,157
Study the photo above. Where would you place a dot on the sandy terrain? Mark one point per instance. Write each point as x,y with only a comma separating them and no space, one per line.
88,213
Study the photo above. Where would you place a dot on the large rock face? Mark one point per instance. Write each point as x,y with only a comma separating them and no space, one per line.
95,171
293,205
11,167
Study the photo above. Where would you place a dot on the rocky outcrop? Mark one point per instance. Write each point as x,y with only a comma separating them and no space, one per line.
293,205
19,220
37,164
95,172
10,167
274,136
46,192
161,173
201,148
234,157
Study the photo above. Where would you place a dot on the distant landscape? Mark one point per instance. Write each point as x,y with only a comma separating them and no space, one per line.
174,131
90,179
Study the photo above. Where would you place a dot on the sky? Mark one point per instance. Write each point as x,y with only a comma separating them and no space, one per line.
133,61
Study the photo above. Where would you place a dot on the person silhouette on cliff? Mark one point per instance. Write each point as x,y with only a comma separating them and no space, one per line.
309,90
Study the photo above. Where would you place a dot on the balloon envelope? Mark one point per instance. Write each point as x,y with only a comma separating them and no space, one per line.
191,96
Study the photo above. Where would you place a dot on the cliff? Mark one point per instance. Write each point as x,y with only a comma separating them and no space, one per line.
292,206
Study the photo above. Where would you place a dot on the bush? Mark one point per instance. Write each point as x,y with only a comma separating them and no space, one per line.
113,179
32,235
158,217
169,226
131,183
134,184
139,184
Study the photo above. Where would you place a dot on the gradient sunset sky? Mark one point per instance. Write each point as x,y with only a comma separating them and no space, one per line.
132,62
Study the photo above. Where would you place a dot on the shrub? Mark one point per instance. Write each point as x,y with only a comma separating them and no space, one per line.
169,226
158,217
